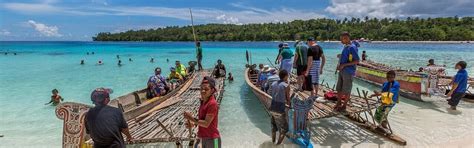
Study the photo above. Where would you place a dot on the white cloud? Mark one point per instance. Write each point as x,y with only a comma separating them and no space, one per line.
5,32
49,31
246,14
32,8
228,20
400,8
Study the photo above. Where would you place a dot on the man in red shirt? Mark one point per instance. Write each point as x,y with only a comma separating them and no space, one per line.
208,133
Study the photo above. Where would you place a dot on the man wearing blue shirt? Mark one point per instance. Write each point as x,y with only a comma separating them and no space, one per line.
348,60
459,85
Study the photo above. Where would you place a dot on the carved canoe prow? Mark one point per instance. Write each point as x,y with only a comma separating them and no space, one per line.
73,115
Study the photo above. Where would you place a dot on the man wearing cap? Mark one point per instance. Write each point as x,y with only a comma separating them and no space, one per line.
105,124
263,76
280,48
285,58
316,62
349,58
208,134
273,77
156,85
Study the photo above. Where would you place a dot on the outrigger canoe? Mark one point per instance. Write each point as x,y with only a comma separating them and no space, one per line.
359,106
133,105
419,86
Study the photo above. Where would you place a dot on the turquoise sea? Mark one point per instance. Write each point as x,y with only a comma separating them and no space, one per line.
26,80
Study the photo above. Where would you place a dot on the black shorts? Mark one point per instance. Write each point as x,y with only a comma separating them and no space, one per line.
300,69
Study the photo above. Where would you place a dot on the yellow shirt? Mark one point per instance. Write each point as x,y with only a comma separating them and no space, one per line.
181,69
175,75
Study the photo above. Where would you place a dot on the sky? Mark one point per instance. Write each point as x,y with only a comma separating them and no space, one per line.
80,20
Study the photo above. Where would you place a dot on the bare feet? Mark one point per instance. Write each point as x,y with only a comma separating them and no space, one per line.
273,136
280,139
453,107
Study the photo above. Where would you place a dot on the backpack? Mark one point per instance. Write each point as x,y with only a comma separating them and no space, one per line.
330,95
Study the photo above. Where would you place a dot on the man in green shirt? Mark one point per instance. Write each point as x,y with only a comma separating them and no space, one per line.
199,54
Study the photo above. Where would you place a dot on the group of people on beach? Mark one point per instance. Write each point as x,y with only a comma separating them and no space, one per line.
309,61
106,124
6,53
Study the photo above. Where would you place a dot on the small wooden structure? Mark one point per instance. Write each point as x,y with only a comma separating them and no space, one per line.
135,105
359,109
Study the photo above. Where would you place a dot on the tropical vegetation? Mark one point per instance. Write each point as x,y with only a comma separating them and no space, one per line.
407,29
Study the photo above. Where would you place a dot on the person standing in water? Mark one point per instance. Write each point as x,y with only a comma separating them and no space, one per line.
459,85
82,62
130,59
280,99
55,98
316,62
105,124
152,60
199,54
208,113
348,61
364,55
119,63
118,57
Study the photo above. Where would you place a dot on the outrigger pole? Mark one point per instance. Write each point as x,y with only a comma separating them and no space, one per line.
194,33
190,129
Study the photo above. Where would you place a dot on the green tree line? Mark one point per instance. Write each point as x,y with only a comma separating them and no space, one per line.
408,29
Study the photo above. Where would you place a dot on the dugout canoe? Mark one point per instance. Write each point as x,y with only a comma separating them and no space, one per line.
419,86
132,104
358,107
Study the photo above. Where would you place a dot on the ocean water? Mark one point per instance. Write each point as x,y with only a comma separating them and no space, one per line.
26,81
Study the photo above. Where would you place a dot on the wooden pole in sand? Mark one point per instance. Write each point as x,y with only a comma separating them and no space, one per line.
194,33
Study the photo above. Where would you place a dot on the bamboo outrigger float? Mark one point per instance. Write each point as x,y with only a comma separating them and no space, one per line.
413,85
156,120
360,105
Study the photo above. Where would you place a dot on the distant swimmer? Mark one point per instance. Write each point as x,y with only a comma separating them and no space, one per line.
14,53
82,62
87,53
152,60
118,57
100,62
55,98
119,63
167,60
93,53
130,59
431,62
6,53
364,55
231,78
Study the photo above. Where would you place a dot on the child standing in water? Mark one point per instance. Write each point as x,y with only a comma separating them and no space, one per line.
459,85
55,98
